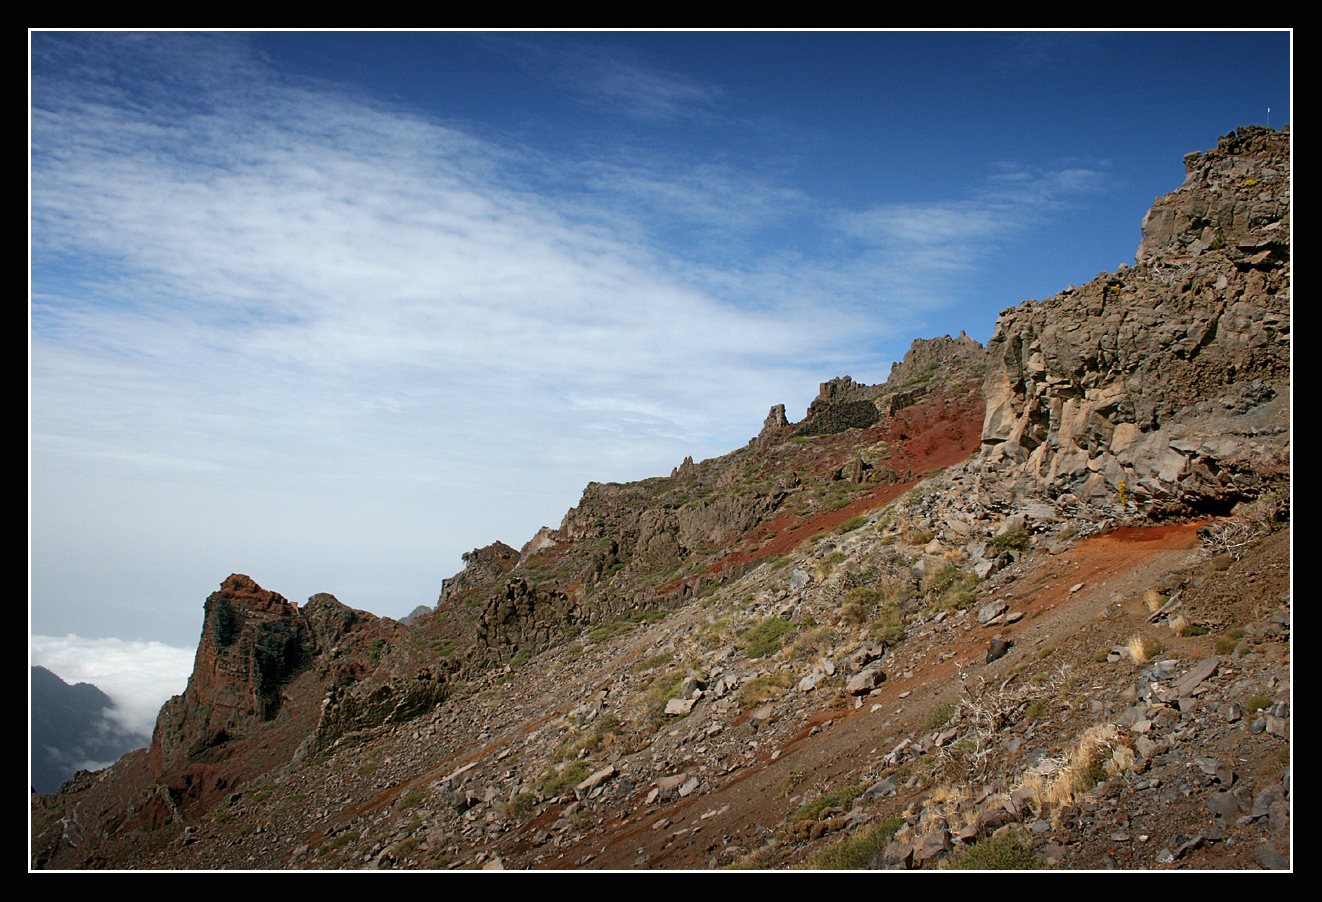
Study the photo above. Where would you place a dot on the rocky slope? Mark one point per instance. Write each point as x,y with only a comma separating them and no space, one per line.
977,614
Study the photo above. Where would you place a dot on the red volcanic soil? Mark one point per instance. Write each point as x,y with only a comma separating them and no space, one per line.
922,438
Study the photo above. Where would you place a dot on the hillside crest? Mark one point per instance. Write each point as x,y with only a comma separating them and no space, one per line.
671,638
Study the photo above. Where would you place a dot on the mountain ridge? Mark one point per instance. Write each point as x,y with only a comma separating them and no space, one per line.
69,726
891,514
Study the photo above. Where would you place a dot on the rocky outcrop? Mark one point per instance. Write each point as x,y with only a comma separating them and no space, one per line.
930,366
927,356
260,653
482,567
1166,382
1235,199
252,642
687,468
775,428
523,618
840,404
368,672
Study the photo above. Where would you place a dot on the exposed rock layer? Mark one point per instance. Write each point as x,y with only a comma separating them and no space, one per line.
1171,376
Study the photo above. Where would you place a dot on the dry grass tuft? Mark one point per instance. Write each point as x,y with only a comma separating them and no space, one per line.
1144,648
1057,781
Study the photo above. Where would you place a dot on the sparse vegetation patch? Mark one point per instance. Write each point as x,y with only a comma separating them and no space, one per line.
765,638
854,852
1006,851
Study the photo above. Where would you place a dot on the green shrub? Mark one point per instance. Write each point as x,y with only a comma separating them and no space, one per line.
522,805
888,627
606,630
854,852
1016,539
407,845
813,643
603,732
660,689
714,630
850,525
337,843
1144,648
859,606
1006,851
653,662
938,581
786,787
764,638
951,586
555,782
763,686
838,798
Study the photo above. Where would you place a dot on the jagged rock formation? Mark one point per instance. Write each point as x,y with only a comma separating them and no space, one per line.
1235,198
253,642
834,411
929,365
1171,376
421,610
482,567
272,684
926,356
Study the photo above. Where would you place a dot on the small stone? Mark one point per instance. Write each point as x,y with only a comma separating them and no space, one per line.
1223,804
1267,858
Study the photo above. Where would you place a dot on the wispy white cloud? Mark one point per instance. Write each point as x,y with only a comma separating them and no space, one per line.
926,251
275,321
615,79
138,676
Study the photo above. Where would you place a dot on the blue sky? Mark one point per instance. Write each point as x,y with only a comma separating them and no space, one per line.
330,309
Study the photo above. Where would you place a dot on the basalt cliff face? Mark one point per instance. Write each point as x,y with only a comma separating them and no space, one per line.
1172,375
899,628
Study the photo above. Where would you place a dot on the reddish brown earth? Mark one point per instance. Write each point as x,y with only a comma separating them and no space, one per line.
922,438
